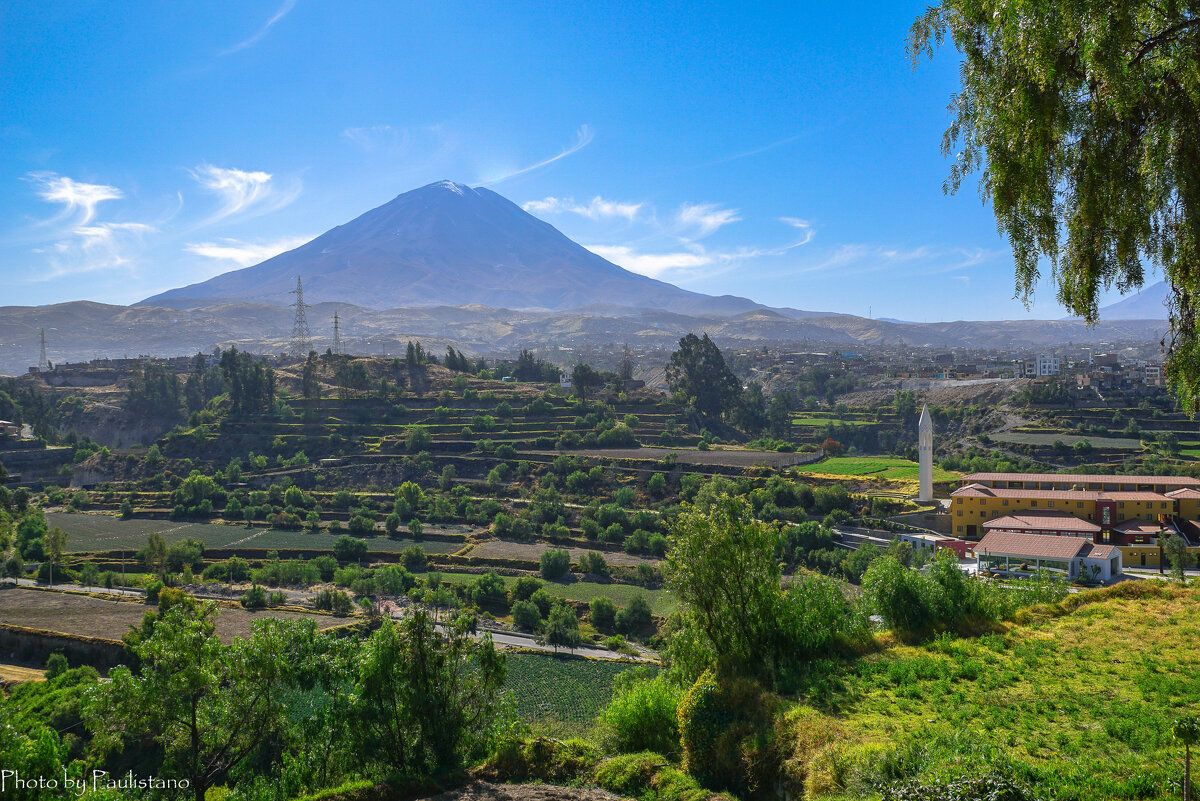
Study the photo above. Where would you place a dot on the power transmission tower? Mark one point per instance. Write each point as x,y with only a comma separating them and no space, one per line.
301,338
337,336
43,364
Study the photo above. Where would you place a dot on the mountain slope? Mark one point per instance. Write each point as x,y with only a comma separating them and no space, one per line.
447,244
1145,305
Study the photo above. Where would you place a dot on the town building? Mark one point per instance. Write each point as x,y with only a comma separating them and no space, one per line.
1132,513
1016,554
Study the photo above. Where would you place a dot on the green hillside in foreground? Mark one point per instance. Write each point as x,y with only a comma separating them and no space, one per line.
1076,702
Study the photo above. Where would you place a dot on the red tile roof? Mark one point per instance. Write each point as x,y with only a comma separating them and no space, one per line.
1102,552
1185,492
1138,526
980,491
1033,546
1044,521
1084,478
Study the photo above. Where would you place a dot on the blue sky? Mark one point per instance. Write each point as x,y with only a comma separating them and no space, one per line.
783,152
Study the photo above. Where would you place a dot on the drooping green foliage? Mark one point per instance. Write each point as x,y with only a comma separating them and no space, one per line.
427,698
1084,118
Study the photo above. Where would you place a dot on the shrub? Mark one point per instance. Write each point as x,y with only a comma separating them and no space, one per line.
721,721
593,562
414,557
56,665
349,549
657,484
635,618
604,613
642,716
555,562
255,598
524,588
630,775
526,615
336,601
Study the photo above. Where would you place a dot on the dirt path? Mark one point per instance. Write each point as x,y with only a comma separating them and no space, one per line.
485,791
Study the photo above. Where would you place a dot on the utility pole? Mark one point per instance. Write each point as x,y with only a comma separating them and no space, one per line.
301,338
43,365
337,335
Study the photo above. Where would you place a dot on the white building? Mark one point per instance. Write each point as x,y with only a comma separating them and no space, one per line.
1042,366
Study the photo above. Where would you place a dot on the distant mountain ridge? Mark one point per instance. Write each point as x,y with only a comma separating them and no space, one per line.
448,244
85,330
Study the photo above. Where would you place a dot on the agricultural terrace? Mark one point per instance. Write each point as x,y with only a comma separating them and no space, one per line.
885,468
86,616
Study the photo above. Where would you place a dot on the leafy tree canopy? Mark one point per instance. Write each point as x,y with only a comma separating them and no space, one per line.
1084,118
698,371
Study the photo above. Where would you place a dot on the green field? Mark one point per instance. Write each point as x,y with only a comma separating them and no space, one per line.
824,421
561,694
886,467
661,601
1047,439
88,533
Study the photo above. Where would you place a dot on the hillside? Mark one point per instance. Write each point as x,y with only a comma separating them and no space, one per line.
1048,701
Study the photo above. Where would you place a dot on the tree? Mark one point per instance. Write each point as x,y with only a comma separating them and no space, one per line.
698,372
310,383
1083,118
56,543
1186,730
154,554
1175,549
209,706
721,565
562,628
584,379
750,409
426,697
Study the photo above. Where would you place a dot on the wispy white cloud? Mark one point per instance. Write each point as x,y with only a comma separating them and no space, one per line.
92,248
703,219
801,225
747,153
583,138
76,197
596,209
245,254
375,137
654,265
282,12
240,190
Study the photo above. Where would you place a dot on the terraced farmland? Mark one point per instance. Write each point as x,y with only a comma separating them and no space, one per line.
89,533
891,468
562,694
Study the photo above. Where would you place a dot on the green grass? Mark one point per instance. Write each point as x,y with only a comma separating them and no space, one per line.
1047,439
661,601
824,421
886,467
88,533
1082,703
561,693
